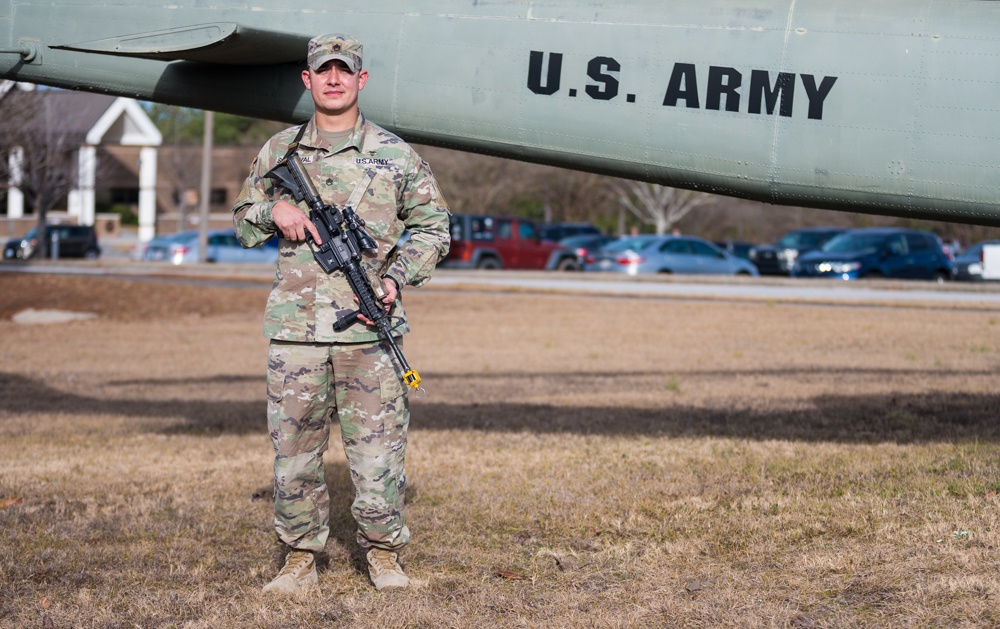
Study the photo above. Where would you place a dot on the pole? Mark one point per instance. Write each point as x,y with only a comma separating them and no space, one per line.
206,186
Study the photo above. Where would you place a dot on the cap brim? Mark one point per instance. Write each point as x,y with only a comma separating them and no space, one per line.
347,60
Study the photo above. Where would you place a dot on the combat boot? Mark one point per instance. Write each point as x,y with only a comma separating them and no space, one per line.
298,573
384,570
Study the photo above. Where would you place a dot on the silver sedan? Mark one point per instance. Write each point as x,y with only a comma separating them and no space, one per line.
636,255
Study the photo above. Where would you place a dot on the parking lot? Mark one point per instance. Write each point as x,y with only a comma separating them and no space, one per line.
981,295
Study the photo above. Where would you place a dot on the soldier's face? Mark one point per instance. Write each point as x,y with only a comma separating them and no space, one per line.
334,87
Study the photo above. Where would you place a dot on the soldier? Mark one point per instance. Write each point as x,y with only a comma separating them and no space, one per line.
316,375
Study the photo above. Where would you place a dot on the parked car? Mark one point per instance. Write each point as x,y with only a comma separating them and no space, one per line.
74,241
968,266
738,248
583,246
554,232
666,254
779,258
503,242
877,252
223,246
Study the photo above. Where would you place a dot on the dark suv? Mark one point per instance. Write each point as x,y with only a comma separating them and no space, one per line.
555,232
503,242
73,241
878,252
779,258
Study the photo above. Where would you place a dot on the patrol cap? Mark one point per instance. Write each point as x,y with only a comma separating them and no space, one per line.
323,48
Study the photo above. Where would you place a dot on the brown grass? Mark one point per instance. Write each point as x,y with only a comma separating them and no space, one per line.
638,462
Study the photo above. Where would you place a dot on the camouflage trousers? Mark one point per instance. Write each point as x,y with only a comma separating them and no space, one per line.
309,385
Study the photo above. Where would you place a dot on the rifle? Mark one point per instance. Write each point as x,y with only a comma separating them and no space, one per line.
344,239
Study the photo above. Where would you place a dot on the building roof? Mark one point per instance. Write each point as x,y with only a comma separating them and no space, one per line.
58,111
77,115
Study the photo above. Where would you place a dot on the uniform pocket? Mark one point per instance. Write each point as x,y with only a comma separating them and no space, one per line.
390,386
275,385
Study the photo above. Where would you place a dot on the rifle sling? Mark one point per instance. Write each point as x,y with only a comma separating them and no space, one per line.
359,189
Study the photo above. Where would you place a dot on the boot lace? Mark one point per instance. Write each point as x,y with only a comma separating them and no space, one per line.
384,561
296,561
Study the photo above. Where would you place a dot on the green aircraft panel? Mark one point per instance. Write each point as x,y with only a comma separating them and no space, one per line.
887,107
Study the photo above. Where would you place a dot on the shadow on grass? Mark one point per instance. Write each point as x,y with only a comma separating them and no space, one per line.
893,417
23,395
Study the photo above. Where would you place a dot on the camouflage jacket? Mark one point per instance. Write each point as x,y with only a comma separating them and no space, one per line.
403,194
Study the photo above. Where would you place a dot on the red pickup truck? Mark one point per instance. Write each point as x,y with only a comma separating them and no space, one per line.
503,242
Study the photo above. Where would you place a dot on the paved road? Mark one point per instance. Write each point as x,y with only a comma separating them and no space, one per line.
732,288
951,294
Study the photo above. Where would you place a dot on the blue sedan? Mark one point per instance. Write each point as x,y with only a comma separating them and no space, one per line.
223,246
636,255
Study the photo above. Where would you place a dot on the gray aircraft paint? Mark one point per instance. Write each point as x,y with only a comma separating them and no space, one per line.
887,107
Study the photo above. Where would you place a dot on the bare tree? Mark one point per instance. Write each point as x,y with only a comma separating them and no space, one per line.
486,184
571,195
478,184
656,205
181,170
182,130
37,154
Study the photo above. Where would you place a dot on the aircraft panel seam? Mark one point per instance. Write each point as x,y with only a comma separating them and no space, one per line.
903,35
915,126
970,136
776,135
625,23
394,106
750,121
521,99
941,162
920,203
964,53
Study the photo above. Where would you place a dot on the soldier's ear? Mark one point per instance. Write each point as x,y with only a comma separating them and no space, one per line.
306,79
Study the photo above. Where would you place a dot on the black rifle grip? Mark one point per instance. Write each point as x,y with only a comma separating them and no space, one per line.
346,321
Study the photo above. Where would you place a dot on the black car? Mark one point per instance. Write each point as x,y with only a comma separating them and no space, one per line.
779,258
879,252
585,245
738,248
968,266
64,241
555,232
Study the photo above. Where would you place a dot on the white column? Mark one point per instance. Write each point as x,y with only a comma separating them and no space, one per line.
15,198
73,203
147,193
83,205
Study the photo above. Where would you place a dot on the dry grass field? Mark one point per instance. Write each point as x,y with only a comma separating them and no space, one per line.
577,462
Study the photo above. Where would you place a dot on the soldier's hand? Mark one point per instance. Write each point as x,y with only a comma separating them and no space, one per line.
390,296
292,222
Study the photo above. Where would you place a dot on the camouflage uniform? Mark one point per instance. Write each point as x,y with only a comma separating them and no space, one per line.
315,373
